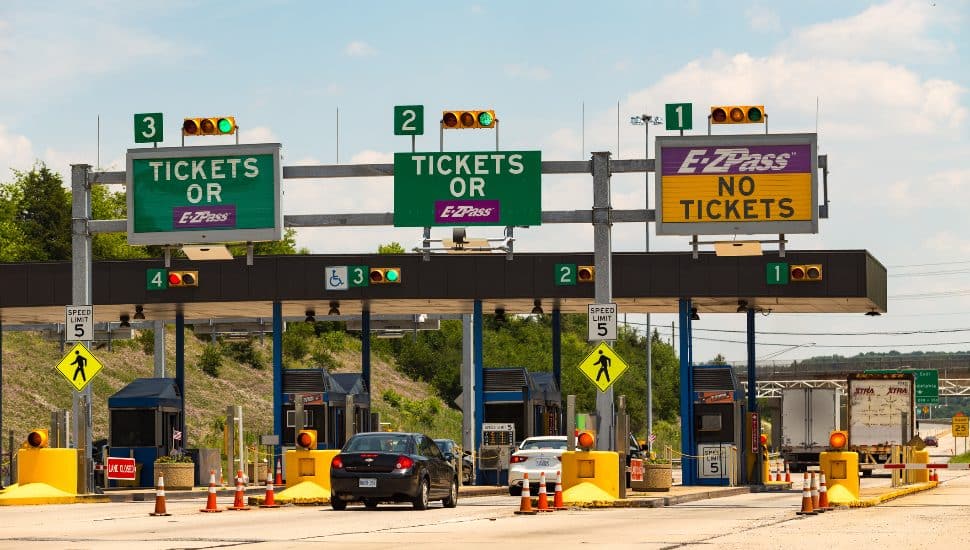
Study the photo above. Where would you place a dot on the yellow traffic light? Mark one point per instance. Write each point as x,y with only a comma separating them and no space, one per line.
306,440
738,114
209,126
805,272
183,278
585,440
585,274
838,439
385,275
37,439
466,120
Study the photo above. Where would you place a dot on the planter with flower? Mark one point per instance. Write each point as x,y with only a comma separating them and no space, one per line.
177,469
657,474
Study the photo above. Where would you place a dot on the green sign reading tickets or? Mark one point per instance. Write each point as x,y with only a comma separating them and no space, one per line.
467,188
222,193
927,384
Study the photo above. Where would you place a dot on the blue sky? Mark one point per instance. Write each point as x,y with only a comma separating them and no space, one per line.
880,81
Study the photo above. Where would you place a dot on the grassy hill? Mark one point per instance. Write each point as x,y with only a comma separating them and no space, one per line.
32,388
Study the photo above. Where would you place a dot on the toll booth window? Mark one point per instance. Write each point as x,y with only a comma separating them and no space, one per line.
134,428
710,423
307,419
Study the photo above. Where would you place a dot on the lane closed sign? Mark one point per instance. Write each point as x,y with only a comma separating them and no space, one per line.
120,468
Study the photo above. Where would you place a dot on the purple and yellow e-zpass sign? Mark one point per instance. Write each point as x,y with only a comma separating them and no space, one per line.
748,184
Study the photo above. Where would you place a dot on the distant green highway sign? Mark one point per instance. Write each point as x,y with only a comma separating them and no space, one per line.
927,382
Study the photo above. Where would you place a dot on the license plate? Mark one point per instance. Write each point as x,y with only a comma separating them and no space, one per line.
367,482
542,462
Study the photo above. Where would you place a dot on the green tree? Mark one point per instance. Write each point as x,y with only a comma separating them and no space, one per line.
42,214
272,248
106,205
390,248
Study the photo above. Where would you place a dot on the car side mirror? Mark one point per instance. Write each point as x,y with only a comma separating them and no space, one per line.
449,457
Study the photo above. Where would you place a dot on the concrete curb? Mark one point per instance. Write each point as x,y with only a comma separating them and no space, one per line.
886,497
661,501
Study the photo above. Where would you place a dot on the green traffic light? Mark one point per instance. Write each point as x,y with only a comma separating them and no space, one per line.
225,126
392,275
485,118
754,114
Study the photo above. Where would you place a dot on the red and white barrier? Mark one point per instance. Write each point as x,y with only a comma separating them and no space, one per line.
918,466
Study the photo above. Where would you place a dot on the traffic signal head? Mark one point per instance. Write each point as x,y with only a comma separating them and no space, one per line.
464,120
738,114
805,272
306,440
585,274
585,440
183,278
37,439
385,275
838,439
209,126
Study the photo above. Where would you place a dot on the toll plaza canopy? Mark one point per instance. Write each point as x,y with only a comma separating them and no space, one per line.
645,282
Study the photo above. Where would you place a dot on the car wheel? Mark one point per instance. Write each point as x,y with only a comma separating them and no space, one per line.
370,503
451,500
421,501
515,491
337,504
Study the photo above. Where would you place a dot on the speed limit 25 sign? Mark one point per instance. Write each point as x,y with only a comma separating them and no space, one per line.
602,322
78,323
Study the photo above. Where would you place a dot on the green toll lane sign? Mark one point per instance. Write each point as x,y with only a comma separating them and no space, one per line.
180,195
468,188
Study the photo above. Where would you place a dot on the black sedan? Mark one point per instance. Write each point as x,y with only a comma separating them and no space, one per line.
376,467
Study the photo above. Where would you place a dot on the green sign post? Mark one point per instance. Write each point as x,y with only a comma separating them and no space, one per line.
148,128
222,193
927,382
409,120
679,116
468,188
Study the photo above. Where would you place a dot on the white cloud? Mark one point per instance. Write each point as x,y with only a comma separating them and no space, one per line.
528,72
762,19
359,48
16,152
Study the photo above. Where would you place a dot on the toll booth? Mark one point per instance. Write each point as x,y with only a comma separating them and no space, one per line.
325,397
718,413
532,402
143,417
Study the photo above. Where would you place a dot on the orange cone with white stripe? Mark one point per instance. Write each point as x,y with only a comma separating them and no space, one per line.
270,500
807,509
781,468
773,473
814,493
210,503
525,505
239,502
160,499
557,503
823,494
279,472
787,472
543,497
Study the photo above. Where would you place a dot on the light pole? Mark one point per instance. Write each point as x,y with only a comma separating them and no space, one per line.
646,121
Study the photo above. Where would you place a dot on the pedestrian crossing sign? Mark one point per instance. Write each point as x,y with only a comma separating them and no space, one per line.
603,366
79,366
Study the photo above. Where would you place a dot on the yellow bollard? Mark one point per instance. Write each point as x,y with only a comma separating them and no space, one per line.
841,471
921,457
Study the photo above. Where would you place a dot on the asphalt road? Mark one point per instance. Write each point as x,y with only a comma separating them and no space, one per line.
935,519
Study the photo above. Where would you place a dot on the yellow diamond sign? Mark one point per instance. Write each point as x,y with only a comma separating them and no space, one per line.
79,366
603,366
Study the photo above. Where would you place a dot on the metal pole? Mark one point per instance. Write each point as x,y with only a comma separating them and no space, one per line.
646,248
278,373
603,259
365,348
159,349
81,295
557,353
468,393
1,405
180,370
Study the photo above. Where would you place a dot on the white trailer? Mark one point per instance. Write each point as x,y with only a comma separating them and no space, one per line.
880,415
808,417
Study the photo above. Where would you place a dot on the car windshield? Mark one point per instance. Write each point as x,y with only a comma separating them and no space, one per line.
445,445
388,443
543,444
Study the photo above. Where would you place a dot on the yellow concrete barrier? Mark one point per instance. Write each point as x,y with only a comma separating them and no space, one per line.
841,471
55,467
920,457
600,468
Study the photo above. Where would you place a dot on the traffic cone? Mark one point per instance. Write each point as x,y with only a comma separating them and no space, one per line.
222,478
210,503
781,468
807,509
933,475
787,473
525,505
269,501
160,499
279,472
239,502
773,472
814,493
823,494
557,503
543,497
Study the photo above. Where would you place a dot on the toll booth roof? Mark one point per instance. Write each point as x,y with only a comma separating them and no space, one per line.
716,378
336,385
546,384
147,393
505,385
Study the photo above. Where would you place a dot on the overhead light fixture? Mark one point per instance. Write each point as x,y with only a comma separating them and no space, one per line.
499,315
742,306
310,316
537,310
693,314
334,308
139,313
124,321
873,313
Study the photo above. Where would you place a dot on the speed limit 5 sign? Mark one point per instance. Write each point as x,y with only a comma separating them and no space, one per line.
78,323
602,322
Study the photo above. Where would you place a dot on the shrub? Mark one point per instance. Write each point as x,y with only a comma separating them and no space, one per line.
243,352
146,338
210,360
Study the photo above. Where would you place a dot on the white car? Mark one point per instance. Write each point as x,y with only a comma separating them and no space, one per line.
534,456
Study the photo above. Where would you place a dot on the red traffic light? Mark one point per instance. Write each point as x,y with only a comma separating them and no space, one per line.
450,120
190,127
805,272
183,278
586,274
306,439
